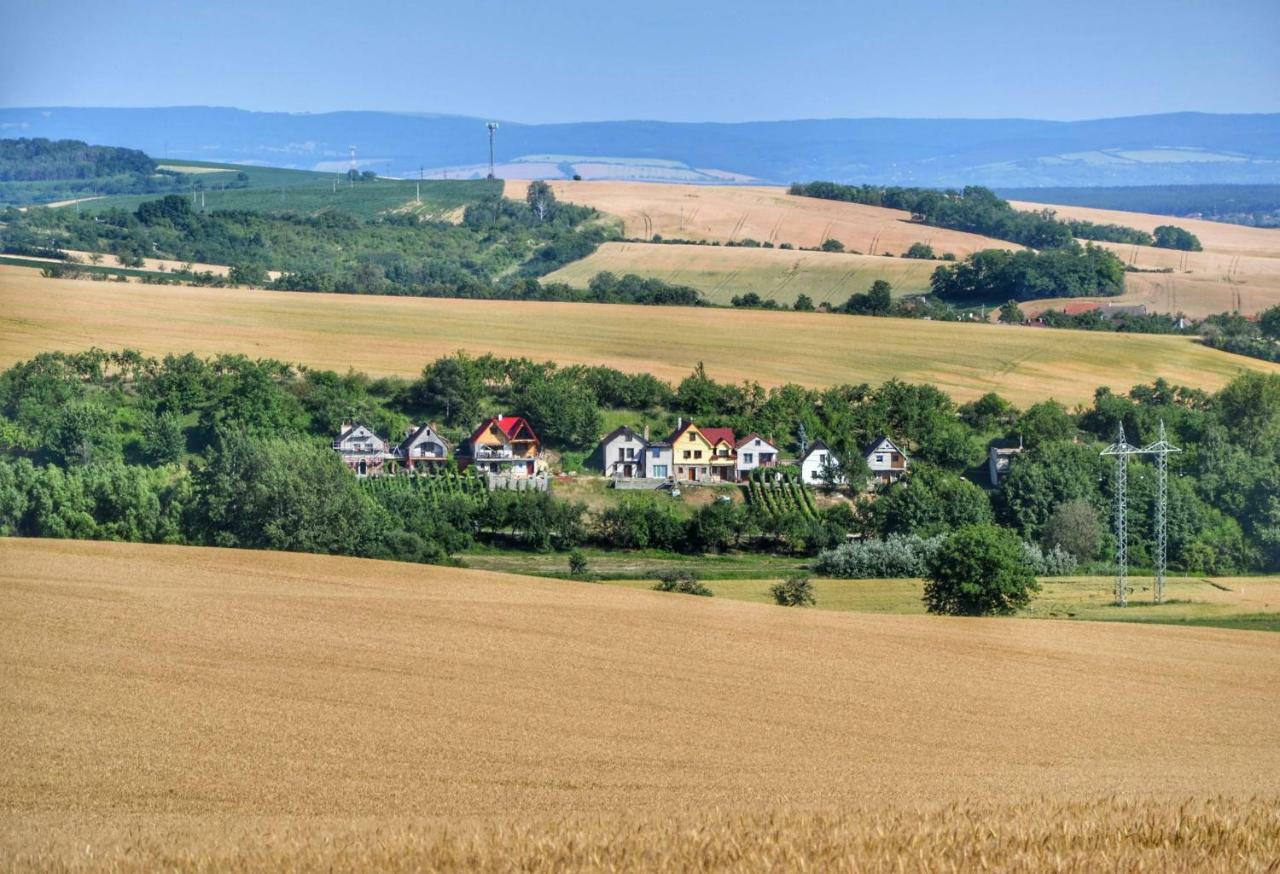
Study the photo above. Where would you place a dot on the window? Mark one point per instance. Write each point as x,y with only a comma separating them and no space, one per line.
631,453
697,453
660,471
747,458
822,459
879,458
687,454
655,453
692,437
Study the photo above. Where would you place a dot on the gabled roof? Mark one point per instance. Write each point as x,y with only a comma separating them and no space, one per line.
623,431
875,443
815,446
754,436
354,427
419,432
678,432
512,426
718,435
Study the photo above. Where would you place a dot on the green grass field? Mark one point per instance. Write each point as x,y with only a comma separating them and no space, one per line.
721,273
273,188
1248,603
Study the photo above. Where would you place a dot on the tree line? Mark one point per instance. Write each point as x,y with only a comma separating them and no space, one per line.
231,451
979,210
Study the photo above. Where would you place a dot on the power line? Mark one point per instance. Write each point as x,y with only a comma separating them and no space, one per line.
1161,449
1121,450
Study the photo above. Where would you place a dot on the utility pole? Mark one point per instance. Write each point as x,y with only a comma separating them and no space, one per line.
1161,450
493,129
1121,450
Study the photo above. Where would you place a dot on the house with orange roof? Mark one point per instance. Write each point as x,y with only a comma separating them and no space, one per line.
504,445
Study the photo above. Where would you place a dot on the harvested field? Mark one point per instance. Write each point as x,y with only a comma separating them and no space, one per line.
1239,269
1214,236
397,335
721,273
178,707
765,214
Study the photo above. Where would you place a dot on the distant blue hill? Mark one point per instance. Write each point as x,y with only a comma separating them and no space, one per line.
1179,148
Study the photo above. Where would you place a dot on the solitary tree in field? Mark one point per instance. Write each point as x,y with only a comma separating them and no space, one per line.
1011,313
794,591
541,199
979,570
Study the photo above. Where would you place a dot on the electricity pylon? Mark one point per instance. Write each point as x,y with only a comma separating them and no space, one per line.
1121,450
1161,450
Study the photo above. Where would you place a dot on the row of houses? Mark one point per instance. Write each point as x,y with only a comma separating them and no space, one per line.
507,446
711,455
502,445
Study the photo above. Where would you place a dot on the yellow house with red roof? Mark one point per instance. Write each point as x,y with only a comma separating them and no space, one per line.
703,454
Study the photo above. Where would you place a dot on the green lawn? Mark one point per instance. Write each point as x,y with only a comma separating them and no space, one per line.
1249,603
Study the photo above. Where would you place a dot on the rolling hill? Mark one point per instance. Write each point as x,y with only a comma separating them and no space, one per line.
398,335
182,707
1157,149
1239,268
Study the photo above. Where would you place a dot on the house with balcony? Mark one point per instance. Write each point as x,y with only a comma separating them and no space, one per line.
754,451
422,449
622,454
361,450
724,456
504,445
885,459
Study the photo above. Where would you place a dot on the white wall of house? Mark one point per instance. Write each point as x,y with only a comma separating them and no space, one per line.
813,464
426,444
657,462
360,439
885,460
756,452
624,456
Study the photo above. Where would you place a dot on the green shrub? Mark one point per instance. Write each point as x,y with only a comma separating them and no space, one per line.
794,591
685,582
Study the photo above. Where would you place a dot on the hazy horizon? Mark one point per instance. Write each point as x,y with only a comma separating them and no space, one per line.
573,61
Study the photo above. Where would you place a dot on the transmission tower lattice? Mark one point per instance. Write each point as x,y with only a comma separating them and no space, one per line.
1121,450
493,129
1161,450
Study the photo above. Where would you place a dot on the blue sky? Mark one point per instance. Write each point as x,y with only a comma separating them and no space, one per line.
540,61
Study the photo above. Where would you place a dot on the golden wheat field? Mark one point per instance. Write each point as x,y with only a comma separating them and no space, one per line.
397,336
174,707
721,273
765,214
1239,269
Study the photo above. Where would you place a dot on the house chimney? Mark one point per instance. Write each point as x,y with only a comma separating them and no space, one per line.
646,433
679,423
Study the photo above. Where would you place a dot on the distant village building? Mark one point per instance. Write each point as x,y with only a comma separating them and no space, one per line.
690,453
623,454
885,459
505,445
422,449
363,451
820,466
754,451
998,461
724,462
